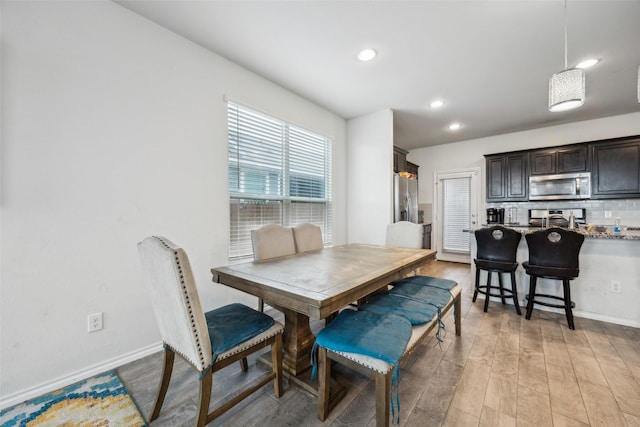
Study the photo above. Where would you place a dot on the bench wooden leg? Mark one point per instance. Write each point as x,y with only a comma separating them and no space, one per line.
383,393
324,377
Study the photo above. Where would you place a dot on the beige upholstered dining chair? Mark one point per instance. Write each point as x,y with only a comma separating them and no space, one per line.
308,237
404,234
208,341
271,241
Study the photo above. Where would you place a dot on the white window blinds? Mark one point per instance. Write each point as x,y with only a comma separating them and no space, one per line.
278,174
456,208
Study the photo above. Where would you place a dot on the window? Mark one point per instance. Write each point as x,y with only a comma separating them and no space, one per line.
278,174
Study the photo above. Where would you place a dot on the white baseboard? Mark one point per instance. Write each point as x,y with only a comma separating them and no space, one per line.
603,318
576,313
88,372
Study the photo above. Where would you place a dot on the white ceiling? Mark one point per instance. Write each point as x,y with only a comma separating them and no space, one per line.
489,60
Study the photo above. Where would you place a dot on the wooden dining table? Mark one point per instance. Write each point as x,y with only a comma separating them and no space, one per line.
316,284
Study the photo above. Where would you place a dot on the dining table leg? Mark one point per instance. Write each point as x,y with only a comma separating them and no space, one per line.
297,342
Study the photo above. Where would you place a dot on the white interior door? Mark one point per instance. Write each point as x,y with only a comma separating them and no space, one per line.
456,206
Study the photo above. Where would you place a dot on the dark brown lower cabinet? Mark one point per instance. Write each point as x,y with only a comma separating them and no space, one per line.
426,237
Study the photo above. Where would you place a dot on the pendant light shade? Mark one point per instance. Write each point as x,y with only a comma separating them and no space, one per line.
638,84
566,90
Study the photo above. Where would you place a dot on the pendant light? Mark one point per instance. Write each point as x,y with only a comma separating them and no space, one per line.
566,88
638,84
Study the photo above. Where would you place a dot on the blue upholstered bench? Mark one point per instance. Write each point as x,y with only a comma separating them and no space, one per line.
331,344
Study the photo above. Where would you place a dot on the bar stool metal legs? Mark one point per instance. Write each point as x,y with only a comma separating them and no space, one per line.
567,304
503,293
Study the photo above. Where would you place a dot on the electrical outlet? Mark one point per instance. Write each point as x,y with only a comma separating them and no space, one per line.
94,322
607,214
616,286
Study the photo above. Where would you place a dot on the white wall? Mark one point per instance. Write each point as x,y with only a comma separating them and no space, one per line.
113,129
369,177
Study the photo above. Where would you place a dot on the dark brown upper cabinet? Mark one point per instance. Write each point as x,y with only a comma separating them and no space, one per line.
399,159
615,168
566,159
412,168
507,177
614,165
400,163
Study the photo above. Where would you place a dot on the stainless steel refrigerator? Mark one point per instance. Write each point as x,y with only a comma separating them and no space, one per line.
405,199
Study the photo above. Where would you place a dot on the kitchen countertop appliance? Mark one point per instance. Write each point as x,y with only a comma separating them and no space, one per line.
495,216
556,217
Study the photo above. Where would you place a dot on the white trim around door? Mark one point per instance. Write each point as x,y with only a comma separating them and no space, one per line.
456,196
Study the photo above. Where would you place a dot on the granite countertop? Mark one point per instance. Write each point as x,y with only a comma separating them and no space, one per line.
601,232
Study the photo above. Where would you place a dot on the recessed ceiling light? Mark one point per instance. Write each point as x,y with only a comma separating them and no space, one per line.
455,126
588,63
436,103
367,54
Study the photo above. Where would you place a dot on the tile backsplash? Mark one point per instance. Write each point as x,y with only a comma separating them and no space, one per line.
628,210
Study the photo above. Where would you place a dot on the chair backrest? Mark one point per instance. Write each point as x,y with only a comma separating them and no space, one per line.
555,247
175,300
405,234
497,243
308,237
272,241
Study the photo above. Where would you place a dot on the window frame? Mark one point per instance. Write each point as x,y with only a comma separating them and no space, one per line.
297,189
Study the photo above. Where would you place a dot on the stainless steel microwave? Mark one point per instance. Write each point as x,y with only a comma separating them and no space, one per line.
566,186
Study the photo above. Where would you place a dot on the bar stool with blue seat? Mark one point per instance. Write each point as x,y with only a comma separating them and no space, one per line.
553,254
496,253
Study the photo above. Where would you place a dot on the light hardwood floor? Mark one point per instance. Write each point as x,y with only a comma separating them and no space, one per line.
503,371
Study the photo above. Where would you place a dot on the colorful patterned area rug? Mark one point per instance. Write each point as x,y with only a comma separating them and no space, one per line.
99,401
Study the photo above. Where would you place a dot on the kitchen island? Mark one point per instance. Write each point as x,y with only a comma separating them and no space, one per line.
608,288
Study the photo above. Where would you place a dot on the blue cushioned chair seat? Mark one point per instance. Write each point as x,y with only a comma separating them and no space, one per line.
415,311
233,324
